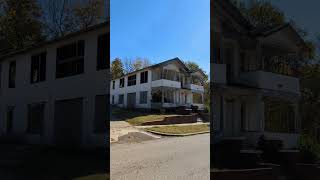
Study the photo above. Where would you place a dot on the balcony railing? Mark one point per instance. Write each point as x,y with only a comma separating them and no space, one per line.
269,80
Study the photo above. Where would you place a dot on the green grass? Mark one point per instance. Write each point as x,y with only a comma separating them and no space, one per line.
136,121
180,129
137,118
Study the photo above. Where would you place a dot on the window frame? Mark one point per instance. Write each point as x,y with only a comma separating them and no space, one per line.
12,77
144,77
75,62
41,63
146,97
123,83
132,82
101,65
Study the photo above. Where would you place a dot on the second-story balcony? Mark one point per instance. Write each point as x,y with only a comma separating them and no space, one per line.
269,80
166,83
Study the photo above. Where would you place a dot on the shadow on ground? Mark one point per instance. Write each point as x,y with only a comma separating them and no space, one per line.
51,163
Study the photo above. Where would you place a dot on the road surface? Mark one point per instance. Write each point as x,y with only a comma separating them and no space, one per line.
175,158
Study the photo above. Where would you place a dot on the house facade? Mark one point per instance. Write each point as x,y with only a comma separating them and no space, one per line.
255,85
55,92
165,85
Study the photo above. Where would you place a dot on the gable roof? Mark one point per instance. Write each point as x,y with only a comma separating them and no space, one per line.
174,60
59,39
234,12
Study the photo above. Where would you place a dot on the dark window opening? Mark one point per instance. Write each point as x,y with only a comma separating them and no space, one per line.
121,99
157,96
103,51
113,84
9,124
38,68
132,80
112,99
35,118
144,77
143,97
101,114
12,74
70,59
121,85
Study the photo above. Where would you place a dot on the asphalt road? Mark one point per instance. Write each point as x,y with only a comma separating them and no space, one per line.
175,158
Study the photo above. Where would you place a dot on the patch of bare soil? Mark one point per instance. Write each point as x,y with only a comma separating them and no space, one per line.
133,137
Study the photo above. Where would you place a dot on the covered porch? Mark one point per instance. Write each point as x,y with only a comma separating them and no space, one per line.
250,113
169,97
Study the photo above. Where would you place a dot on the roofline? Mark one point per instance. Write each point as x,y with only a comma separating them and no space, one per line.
45,43
235,13
281,27
156,65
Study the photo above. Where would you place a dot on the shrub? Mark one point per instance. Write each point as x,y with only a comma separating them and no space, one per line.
309,148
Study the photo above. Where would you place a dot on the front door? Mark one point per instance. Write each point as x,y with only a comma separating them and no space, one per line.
68,122
229,129
131,100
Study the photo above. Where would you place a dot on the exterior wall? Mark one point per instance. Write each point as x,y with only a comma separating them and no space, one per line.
153,84
268,80
131,89
86,86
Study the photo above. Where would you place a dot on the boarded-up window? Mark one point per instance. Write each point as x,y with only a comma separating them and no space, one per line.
38,68
101,115
143,97
35,118
70,59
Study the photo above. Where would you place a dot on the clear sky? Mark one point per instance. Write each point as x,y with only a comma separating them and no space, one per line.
161,30
305,13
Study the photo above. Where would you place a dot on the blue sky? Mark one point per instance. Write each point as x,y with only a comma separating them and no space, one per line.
305,13
161,30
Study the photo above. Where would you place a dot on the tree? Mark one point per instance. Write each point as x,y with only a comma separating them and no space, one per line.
65,16
136,64
20,22
58,19
117,68
192,66
264,14
88,13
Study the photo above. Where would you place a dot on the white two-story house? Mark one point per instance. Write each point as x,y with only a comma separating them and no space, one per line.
255,85
55,92
165,85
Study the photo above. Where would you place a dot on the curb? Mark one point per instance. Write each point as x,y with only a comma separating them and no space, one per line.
170,134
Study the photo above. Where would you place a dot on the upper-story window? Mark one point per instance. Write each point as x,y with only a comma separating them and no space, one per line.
113,84
70,59
38,68
121,85
132,80
103,51
144,77
170,75
12,74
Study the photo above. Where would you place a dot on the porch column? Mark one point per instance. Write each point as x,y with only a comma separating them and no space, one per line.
297,118
260,113
162,96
